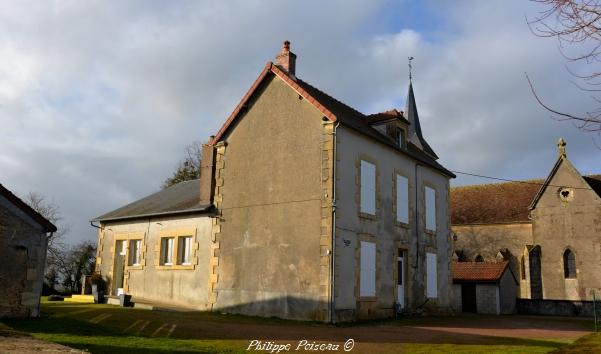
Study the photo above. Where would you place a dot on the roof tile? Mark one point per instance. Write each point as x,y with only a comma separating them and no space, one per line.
478,271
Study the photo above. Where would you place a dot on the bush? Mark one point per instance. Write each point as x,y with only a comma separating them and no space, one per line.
96,279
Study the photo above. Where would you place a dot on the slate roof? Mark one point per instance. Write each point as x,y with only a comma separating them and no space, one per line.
360,122
332,109
181,198
17,202
500,202
478,271
415,129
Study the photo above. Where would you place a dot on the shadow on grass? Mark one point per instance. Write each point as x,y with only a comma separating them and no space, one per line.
69,324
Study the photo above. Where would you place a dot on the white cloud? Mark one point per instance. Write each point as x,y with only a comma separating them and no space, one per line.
97,100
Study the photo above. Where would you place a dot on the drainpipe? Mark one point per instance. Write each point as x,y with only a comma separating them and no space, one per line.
331,316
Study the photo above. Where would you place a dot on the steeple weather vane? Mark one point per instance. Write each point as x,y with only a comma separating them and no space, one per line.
410,67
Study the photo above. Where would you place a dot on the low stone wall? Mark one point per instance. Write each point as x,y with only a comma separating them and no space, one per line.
556,307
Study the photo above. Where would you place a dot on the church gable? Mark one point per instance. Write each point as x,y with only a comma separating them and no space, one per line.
566,186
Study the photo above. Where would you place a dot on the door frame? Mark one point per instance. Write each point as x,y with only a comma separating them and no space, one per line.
401,254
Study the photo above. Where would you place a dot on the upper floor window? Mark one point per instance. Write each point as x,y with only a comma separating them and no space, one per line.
569,264
400,137
368,188
402,199
430,208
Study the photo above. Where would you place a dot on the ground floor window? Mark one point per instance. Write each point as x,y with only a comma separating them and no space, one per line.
431,276
184,250
167,250
367,276
134,252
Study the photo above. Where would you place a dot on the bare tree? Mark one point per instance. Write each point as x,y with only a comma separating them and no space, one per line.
50,211
56,243
575,24
188,168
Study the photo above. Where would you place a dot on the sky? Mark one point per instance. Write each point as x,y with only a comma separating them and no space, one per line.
98,99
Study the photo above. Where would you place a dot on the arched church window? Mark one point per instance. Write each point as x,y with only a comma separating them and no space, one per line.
479,258
569,264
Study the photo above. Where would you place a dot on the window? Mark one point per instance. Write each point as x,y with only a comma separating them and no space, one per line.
431,275
368,188
167,251
479,258
134,252
402,199
400,138
569,264
367,277
184,249
430,209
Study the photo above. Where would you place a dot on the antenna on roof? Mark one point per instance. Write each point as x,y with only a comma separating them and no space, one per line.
410,67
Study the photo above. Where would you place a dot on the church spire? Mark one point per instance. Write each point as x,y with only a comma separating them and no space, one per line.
415,129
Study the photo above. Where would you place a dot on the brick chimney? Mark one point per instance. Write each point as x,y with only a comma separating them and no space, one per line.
207,174
286,60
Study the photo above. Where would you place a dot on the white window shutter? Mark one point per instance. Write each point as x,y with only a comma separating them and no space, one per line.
402,199
368,188
431,275
367,276
430,209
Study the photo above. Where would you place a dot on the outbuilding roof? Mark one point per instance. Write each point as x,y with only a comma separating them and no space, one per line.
478,271
181,198
17,202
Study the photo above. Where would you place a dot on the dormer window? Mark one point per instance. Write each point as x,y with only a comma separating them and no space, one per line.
401,137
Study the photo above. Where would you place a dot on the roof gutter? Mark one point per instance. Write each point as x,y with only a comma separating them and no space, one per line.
142,216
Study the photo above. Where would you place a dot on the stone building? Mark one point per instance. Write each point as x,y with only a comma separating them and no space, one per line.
549,230
306,208
23,240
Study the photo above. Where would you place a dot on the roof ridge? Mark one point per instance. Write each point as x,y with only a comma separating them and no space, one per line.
524,181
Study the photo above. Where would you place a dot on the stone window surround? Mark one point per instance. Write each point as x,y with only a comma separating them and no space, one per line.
373,239
176,234
366,158
398,172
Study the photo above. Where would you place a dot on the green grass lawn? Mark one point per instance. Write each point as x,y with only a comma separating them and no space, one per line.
111,329
586,344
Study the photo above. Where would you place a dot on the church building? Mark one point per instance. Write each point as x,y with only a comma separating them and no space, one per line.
548,229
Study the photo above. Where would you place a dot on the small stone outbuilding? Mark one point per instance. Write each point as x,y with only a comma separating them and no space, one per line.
23,242
484,287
